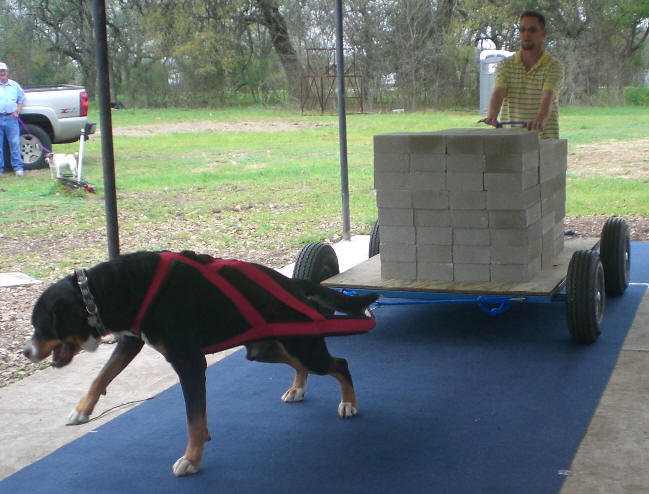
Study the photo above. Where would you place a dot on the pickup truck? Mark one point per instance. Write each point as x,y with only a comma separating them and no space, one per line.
51,115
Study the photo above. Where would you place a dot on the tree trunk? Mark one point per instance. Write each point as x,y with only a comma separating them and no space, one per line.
274,21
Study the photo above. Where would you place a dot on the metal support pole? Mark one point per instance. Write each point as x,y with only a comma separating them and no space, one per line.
342,122
106,125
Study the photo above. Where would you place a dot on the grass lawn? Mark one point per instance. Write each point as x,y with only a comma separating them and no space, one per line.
236,182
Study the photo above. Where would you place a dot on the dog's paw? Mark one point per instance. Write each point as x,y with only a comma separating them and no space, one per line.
293,395
184,467
75,417
346,409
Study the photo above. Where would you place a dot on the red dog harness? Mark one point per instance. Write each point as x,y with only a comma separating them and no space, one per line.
316,324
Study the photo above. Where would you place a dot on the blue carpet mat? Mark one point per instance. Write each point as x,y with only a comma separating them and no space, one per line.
450,401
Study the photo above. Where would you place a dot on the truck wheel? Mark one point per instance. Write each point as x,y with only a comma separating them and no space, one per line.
585,297
374,239
31,147
615,252
316,262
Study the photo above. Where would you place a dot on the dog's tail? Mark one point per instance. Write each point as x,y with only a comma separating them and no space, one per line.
333,300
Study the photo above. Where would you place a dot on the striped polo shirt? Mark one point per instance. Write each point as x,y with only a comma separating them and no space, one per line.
524,89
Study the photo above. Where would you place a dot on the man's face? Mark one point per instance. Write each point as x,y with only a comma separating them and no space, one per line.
531,32
3,75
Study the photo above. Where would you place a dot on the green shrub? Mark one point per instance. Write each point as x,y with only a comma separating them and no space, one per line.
636,96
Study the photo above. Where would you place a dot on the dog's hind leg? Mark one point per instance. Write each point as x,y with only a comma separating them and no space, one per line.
125,351
272,351
298,389
313,357
191,371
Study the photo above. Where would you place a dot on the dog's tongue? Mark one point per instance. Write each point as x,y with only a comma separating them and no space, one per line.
62,354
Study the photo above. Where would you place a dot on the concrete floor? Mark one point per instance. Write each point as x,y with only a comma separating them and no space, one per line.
612,457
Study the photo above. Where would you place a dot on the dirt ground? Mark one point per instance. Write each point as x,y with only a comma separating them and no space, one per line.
614,159
628,159
209,125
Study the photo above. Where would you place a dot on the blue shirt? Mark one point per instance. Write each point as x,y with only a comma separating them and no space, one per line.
10,95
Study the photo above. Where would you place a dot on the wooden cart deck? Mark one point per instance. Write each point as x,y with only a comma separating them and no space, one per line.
367,275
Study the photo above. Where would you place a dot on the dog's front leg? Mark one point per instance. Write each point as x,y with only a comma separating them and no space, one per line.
125,351
191,372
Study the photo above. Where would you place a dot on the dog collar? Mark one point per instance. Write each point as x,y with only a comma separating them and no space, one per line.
91,306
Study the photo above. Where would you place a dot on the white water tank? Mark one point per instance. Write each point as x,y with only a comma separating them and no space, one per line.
488,61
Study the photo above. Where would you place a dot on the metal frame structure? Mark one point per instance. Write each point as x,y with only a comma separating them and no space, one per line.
318,85
105,120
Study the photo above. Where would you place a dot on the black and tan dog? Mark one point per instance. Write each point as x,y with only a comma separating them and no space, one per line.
186,305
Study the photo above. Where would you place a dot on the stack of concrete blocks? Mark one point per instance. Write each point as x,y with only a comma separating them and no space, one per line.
469,204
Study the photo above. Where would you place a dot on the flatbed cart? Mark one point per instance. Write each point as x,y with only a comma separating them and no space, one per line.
586,271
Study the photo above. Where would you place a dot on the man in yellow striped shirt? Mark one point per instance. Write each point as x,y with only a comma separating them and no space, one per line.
526,84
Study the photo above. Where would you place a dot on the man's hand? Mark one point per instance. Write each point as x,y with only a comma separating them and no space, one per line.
536,125
493,121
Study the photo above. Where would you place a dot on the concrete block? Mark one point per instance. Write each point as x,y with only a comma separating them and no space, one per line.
549,250
398,234
434,253
547,222
427,181
547,205
459,163
548,171
559,204
427,143
391,180
396,217
516,218
471,272
517,237
398,251
513,200
511,162
471,254
439,235
550,187
472,236
462,182
470,219
430,217
394,198
427,162
392,143
392,162
559,241
435,271
514,182
464,143
468,200
552,150
515,273
398,270
506,141
430,199
507,254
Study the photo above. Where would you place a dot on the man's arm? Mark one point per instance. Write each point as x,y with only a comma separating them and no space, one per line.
495,103
547,98
20,100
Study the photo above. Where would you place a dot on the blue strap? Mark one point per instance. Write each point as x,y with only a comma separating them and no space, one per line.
494,306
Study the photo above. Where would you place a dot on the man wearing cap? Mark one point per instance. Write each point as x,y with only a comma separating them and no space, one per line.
12,98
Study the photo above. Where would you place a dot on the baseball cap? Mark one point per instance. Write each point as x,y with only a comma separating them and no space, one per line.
3,66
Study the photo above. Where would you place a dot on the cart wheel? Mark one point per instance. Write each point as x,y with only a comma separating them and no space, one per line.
585,296
374,239
615,252
316,262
